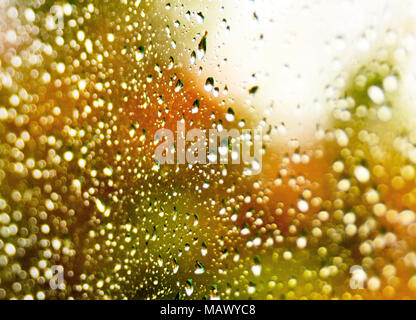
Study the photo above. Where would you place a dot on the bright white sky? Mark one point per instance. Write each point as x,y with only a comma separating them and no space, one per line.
306,45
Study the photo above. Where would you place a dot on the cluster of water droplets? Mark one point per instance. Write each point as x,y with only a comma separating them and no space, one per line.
83,88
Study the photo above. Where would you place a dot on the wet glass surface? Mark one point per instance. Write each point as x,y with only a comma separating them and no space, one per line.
106,194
